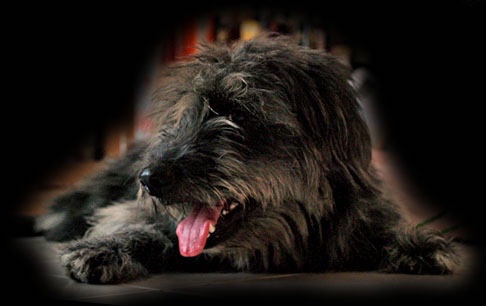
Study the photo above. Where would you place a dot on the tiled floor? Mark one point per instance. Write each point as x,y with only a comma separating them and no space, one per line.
244,287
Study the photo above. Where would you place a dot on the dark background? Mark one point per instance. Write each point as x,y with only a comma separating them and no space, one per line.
72,69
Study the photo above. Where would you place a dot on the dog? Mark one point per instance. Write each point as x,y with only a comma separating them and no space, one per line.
259,161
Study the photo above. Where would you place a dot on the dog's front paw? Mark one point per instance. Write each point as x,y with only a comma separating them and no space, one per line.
421,252
99,263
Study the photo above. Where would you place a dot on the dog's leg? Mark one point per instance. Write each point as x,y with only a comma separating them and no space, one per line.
420,251
66,217
125,242
128,254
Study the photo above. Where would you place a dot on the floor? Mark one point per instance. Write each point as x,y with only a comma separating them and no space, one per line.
53,285
36,267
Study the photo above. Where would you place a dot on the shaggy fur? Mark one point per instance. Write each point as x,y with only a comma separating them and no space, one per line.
268,136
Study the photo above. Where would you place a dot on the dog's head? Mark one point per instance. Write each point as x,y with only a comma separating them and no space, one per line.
247,131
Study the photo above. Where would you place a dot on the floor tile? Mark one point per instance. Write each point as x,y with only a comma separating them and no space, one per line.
172,281
67,289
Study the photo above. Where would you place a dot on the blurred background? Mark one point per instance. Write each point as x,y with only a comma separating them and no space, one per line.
83,76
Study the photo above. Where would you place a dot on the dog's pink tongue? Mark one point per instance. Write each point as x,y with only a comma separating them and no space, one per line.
193,231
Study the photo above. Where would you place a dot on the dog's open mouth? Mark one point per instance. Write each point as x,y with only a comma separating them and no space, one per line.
206,226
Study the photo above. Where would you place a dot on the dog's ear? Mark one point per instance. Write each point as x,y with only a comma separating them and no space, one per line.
337,116
330,113
319,87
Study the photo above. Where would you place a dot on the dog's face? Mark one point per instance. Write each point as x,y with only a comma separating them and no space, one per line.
246,131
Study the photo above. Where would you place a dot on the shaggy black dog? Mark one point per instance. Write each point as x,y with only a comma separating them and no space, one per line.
260,161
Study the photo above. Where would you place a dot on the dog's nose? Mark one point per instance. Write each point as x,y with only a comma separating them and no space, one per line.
145,179
151,182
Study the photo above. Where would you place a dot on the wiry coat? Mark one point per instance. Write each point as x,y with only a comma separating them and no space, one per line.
266,125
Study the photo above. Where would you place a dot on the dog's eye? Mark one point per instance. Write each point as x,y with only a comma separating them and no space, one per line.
217,107
220,107
237,115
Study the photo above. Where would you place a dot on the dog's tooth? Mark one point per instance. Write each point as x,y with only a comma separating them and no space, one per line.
225,212
233,205
212,228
